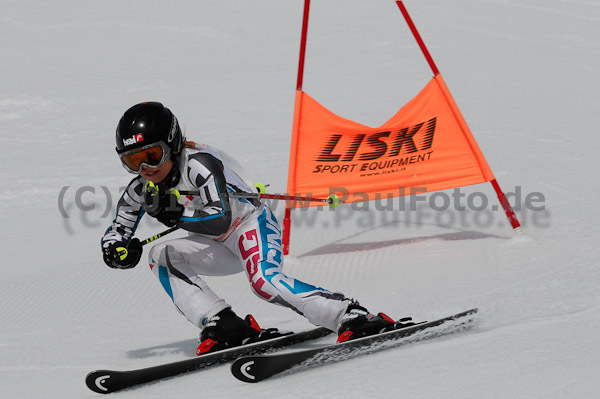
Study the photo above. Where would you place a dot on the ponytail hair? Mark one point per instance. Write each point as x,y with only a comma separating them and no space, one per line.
189,144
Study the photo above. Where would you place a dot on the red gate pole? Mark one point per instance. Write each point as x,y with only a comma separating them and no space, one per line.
420,41
510,213
303,45
287,219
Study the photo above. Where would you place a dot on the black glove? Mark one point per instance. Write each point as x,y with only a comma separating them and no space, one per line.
161,203
119,255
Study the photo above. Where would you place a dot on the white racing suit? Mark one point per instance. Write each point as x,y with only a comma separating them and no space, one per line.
227,236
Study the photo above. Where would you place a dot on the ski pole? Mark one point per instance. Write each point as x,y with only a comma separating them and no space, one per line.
159,235
333,200
147,241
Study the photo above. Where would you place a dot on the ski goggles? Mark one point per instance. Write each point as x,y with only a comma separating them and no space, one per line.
151,155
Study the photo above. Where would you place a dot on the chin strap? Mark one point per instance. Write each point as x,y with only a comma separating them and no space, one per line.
172,179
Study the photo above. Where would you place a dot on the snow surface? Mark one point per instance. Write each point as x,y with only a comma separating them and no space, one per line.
524,74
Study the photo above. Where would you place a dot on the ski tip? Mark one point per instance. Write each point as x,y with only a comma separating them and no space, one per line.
243,369
99,381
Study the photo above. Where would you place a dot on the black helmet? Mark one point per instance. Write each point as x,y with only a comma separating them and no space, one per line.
148,123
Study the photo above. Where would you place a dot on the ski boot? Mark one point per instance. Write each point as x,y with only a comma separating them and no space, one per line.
226,330
357,322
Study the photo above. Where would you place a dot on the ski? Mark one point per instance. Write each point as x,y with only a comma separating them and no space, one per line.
107,381
260,367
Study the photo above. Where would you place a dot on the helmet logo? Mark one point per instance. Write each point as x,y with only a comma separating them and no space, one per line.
136,138
173,131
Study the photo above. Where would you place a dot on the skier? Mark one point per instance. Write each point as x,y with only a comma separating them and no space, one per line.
226,236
